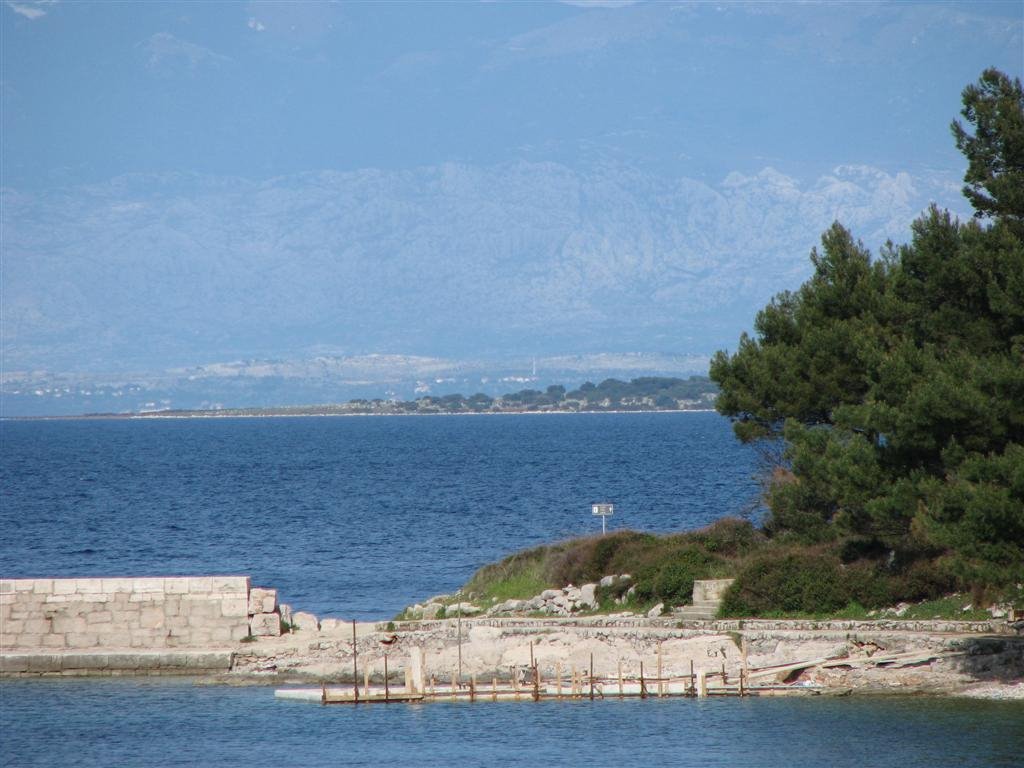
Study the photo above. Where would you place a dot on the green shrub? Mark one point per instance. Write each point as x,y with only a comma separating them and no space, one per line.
673,581
925,580
730,536
868,585
790,581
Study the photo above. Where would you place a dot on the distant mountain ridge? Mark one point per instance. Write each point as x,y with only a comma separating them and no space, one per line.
147,272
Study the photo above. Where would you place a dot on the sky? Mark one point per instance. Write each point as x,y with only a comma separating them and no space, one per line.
205,120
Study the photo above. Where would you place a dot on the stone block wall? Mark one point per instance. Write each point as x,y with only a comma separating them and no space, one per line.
151,613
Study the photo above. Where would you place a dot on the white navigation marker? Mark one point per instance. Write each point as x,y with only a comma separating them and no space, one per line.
604,511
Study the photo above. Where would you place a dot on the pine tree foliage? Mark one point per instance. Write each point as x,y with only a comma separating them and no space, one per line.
897,382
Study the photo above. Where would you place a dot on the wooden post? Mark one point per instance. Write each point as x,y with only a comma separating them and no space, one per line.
454,684
536,685
591,677
472,687
323,692
643,686
661,683
494,689
620,679
355,665
693,681
724,679
744,672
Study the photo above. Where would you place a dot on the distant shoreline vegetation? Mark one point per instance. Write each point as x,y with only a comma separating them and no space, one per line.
648,393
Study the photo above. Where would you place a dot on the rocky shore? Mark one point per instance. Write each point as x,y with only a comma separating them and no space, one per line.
934,657
222,629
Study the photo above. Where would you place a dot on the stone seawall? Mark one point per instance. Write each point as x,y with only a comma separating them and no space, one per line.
138,613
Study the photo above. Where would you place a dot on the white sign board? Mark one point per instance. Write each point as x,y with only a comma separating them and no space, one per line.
604,511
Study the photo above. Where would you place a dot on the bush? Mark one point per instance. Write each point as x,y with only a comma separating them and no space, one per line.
730,536
673,582
787,582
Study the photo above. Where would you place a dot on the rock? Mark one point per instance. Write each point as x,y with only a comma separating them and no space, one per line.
265,625
607,581
431,610
305,621
562,602
509,606
262,600
550,594
588,595
467,609
625,577
333,625
286,613
997,612
573,593
656,611
535,603
901,608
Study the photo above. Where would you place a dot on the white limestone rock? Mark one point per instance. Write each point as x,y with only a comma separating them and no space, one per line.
588,596
265,625
262,600
656,611
430,611
466,609
305,622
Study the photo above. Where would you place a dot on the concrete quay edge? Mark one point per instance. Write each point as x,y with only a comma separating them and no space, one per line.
33,663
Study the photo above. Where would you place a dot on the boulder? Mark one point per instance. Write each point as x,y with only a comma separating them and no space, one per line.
305,621
509,606
656,611
334,625
550,594
430,610
573,593
286,613
607,581
265,625
466,609
588,595
262,600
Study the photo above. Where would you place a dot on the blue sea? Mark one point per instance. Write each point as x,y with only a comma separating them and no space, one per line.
358,517
354,517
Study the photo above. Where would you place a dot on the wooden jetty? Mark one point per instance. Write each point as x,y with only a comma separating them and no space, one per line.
576,685
527,684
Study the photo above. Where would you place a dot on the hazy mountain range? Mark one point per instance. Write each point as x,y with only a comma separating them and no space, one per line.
145,272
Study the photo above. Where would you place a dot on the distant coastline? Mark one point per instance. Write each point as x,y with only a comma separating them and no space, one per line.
275,413
641,395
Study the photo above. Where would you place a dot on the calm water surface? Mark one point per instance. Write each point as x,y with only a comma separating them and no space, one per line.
352,517
121,723
358,517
